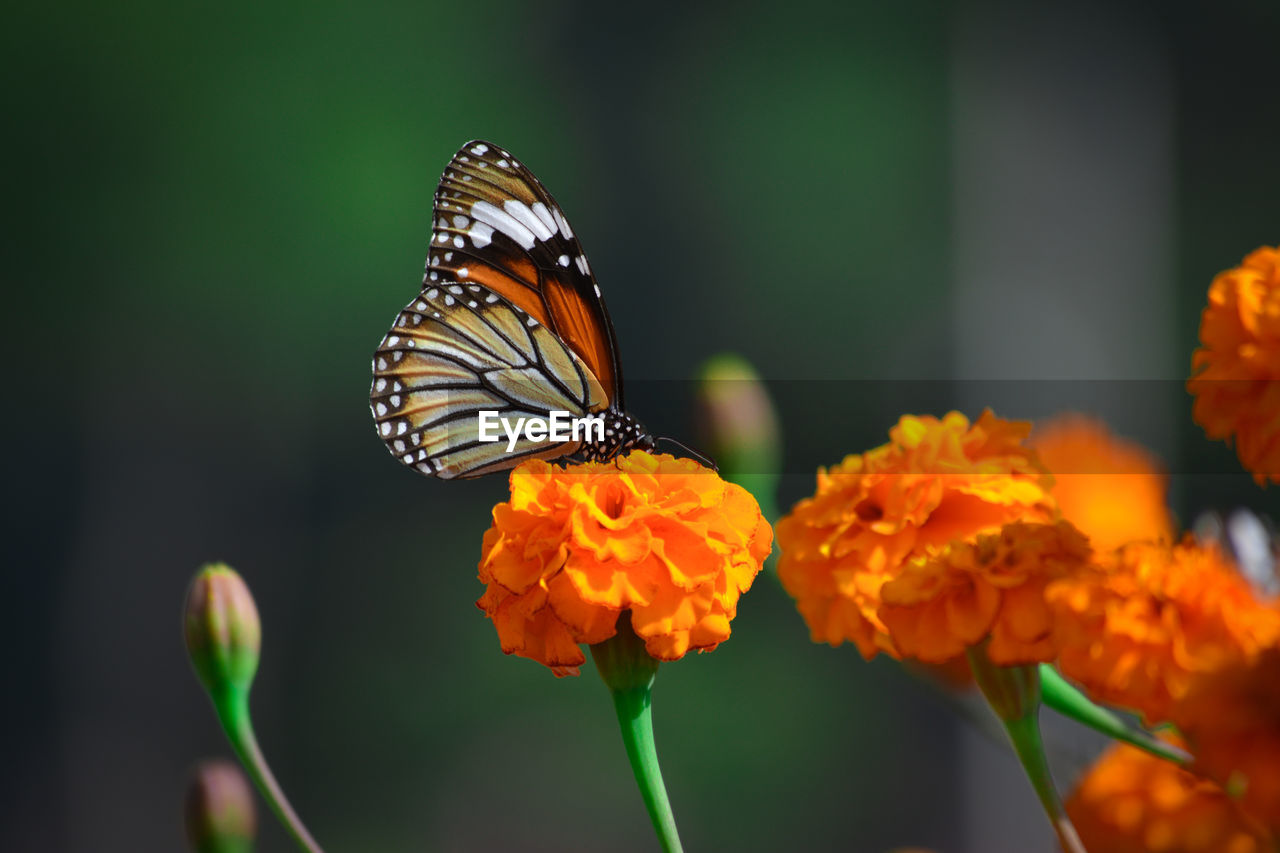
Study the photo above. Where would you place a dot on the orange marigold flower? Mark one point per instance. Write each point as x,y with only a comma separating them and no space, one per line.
1112,489
937,482
935,608
1232,721
1133,802
1235,370
1157,616
665,538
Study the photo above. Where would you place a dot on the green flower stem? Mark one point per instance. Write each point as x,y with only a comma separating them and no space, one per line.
629,672
1061,696
636,721
1014,694
1024,731
232,707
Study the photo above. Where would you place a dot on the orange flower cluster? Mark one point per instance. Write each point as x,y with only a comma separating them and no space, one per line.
1113,490
936,608
1232,721
1235,370
1155,617
662,537
937,482
1133,802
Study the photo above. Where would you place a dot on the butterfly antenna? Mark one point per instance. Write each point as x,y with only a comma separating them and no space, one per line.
705,460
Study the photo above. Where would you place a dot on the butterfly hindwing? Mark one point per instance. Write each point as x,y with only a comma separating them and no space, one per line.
460,349
497,226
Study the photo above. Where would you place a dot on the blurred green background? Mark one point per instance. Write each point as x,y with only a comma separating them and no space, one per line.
216,210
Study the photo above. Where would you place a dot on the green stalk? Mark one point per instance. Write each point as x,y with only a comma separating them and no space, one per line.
1014,694
629,673
636,720
1060,695
1024,732
232,707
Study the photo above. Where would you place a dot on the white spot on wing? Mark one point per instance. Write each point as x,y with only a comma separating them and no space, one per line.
563,260
502,221
563,223
540,210
481,234
479,150
527,218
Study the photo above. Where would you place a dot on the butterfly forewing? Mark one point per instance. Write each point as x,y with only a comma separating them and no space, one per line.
497,226
460,349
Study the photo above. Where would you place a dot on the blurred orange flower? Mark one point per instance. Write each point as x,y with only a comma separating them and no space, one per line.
665,538
1234,373
935,608
937,482
1157,615
1232,721
1112,489
1133,802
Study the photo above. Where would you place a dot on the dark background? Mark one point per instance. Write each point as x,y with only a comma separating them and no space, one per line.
214,211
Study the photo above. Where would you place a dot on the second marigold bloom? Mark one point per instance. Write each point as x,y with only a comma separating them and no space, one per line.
665,538
1156,617
937,482
989,589
1232,722
1236,371
1134,802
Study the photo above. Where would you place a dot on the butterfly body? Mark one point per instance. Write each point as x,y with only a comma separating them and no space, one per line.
509,323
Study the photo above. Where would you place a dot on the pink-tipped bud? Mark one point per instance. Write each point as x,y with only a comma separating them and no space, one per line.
218,811
737,417
222,629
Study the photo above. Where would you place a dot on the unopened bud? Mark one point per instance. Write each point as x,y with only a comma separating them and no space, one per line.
736,413
222,629
739,426
218,812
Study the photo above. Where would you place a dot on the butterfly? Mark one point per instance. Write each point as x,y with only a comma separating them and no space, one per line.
509,324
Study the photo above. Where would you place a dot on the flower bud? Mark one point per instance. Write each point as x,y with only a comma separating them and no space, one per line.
222,629
218,811
737,416
739,427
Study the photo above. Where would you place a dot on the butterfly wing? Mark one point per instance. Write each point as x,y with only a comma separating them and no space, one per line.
497,226
458,350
